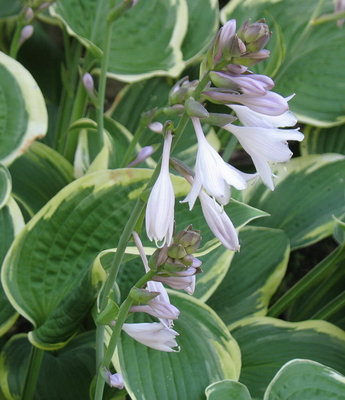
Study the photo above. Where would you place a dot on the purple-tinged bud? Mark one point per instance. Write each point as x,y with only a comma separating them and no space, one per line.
181,91
115,380
29,14
270,103
195,109
26,33
172,266
255,35
237,47
88,83
252,58
249,84
236,69
223,41
190,239
143,154
158,258
156,127
44,5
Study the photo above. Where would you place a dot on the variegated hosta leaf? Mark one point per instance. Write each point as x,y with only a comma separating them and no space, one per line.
11,222
309,193
151,32
203,16
23,114
255,274
227,390
319,141
38,175
64,374
268,343
47,273
306,379
5,185
208,354
309,48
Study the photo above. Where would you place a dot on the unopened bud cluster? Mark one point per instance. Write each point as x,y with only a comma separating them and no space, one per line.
177,259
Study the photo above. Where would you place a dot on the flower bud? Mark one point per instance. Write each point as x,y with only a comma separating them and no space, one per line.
173,266
220,119
195,109
156,127
88,83
255,35
190,239
142,296
237,47
176,250
29,14
25,34
252,58
181,91
158,258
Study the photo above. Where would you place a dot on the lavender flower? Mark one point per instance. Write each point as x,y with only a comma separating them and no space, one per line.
115,380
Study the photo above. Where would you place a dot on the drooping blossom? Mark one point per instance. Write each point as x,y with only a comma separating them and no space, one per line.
211,172
153,334
115,380
263,140
160,306
160,205
219,222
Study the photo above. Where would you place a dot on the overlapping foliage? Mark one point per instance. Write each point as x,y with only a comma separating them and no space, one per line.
262,321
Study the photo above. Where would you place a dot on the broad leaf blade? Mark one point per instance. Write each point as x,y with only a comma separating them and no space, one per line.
255,274
208,354
308,195
306,379
23,114
268,343
227,390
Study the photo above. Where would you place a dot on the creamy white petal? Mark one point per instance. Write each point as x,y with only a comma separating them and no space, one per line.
219,222
154,335
249,117
160,205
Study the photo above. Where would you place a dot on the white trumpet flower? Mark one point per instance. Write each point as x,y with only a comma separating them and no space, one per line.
211,172
161,202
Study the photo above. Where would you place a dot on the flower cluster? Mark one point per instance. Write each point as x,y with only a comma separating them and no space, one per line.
175,266
260,114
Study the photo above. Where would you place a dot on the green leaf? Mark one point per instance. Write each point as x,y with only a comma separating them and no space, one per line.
9,7
308,195
208,354
310,51
38,175
202,27
339,230
11,222
5,185
227,390
255,274
268,343
306,379
319,141
64,374
23,114
55,250
156,44
321,286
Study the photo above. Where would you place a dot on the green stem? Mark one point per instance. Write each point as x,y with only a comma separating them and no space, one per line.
33,372
335,305
136,137
15,41
120,320
311,279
